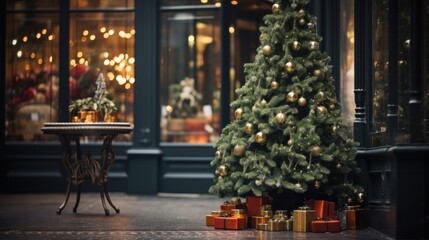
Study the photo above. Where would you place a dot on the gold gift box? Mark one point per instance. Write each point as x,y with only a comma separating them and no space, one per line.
302,219
275,225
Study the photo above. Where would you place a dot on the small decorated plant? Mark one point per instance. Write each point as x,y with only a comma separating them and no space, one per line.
99,104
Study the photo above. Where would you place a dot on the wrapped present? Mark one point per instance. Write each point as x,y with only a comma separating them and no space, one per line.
232,223
324,209
355,217
262,226
302,219
275,225
259,220
288,225
280,214
240,213
234,203
254,205
321,225
210,218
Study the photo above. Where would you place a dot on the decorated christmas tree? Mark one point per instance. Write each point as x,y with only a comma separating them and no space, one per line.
288,135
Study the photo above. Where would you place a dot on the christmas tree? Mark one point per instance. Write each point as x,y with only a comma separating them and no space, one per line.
288,134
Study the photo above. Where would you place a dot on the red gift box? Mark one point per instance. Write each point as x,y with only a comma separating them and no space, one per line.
254,205
324,209
229,223
319,226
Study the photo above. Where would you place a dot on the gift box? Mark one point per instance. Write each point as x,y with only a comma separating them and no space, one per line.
210,218
355,217
240,213
288,225
302,219
254,205
234,203
229,223
274,225
259,220
324,209
319,226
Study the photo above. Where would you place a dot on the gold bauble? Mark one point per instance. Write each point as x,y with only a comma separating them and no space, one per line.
290,142
296,46
218,155
298,186
316,151
238,113
334,129
338,166
302,101
260,137
263,102
248,128
332,106
292,97
276,8
321,95
319,74
220,179
311,25
317,184
275,85
222,170
289,67
301,21
280,118
314,45
322,110
301,12
238,150
266,50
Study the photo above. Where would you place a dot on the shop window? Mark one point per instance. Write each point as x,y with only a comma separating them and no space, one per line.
32,5
101,4
103,43
347,63
32,78
190,76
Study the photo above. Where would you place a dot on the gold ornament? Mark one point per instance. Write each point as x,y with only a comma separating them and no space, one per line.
296,46
220,179
292,97
298,186
275,85
302,101
334,129
260,137
301,12
361,197
322,110
238,150
280,118
290,142
266,50
289,67
238,113
301,21
317,184
314,45
276,8
311,25
263,102
332,106
321,95
222,170
218,155
248,128
316,151
319,74
339,166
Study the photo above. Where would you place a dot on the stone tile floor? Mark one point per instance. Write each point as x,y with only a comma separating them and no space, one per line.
165,216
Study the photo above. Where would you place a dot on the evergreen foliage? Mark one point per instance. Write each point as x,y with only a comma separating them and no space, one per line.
288,132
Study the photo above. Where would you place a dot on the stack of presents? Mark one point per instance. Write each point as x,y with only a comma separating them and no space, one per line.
256,213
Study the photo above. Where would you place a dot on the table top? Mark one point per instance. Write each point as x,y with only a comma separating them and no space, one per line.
97,128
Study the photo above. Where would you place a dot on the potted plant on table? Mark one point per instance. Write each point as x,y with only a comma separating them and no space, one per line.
94,109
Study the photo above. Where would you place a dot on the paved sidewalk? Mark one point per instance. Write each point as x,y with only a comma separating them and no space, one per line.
166,216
